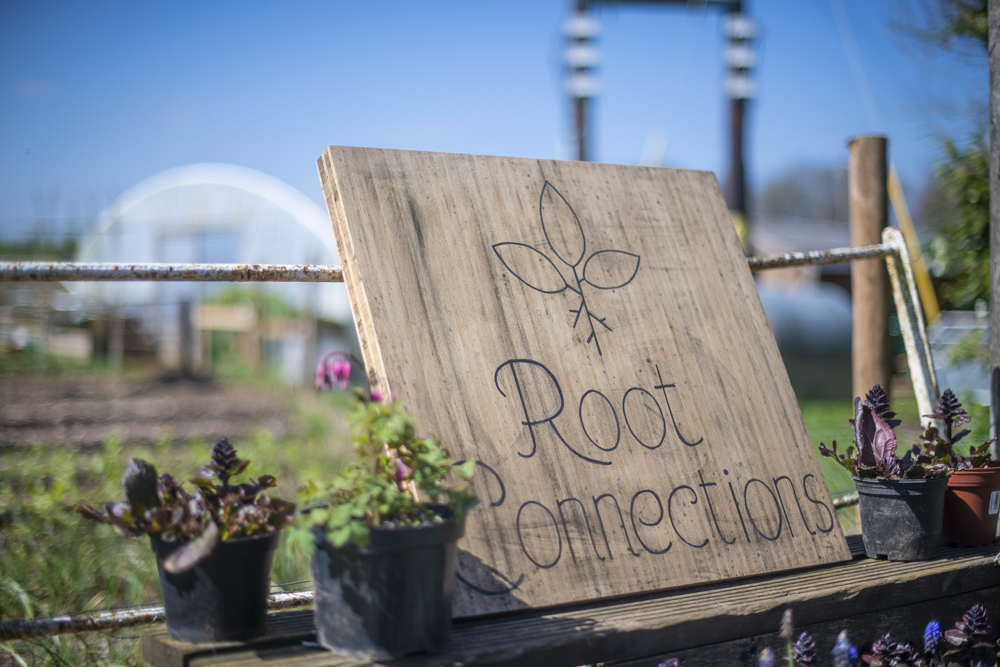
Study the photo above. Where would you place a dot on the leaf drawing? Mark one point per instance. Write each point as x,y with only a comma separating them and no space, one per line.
532,267
604,269
610,269
562,228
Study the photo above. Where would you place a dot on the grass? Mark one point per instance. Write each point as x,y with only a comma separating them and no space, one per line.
55,562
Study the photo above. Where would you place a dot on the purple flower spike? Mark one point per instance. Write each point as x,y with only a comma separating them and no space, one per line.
671,662
932,636
766,658
844,652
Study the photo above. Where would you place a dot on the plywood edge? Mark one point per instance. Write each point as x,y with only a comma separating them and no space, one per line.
361,310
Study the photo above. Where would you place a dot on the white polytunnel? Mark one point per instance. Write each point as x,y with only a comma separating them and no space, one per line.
217,213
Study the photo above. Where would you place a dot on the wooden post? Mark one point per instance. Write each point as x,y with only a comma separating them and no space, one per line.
187,340
994,25
116,340
869,281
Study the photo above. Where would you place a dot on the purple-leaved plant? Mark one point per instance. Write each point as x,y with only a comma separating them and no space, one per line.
887,652
875,445
970,637
217,510
941,445
672,662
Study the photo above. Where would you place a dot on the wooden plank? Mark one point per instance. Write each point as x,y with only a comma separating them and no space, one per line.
661,624
283,628
906,624
592,336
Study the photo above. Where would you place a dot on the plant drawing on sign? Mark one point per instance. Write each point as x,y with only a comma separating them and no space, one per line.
604,269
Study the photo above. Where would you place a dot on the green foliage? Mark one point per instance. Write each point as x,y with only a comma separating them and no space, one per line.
963,20
962,247
970,349
267,304
39,248
393,475
161,507
952,24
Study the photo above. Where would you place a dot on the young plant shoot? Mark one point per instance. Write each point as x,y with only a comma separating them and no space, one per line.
395,479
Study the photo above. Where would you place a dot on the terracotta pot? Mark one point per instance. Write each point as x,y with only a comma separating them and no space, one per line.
971,507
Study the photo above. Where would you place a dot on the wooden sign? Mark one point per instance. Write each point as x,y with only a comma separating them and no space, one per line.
592,337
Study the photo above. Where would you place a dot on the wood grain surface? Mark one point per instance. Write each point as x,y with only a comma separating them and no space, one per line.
714,624
591,335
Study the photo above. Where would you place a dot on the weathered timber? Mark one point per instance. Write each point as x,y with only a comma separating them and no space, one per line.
719,617
906,624
869,215
592,337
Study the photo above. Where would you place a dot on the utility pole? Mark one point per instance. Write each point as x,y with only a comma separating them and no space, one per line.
740,58
581,57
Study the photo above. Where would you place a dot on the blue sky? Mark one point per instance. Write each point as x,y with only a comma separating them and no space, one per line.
96,96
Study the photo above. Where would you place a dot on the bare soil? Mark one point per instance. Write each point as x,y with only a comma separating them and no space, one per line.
85,411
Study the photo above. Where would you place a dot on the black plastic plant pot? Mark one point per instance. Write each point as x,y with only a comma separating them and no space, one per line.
223,597
901,519
392,598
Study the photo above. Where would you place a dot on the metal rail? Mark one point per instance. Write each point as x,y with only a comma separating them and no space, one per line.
818,257
121,618
321,273
108,271
897,260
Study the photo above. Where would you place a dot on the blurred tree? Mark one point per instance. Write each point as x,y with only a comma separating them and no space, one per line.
951,24
818,193
960,252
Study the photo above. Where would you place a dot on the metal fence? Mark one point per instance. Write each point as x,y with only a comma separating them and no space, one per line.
893,249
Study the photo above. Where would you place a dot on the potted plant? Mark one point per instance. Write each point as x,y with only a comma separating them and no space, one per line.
900,500
972,501
214,547
383,533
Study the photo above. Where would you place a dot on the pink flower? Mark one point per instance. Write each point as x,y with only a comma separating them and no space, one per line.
375,395
334,370
340,369
402,472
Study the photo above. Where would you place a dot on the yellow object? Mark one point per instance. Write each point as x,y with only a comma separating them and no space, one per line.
741,227
920,274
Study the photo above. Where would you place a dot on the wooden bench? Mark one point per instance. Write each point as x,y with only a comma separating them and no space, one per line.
724,623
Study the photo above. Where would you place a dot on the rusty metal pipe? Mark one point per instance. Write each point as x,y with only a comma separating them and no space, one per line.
121,618
317,273
239,273
818,257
